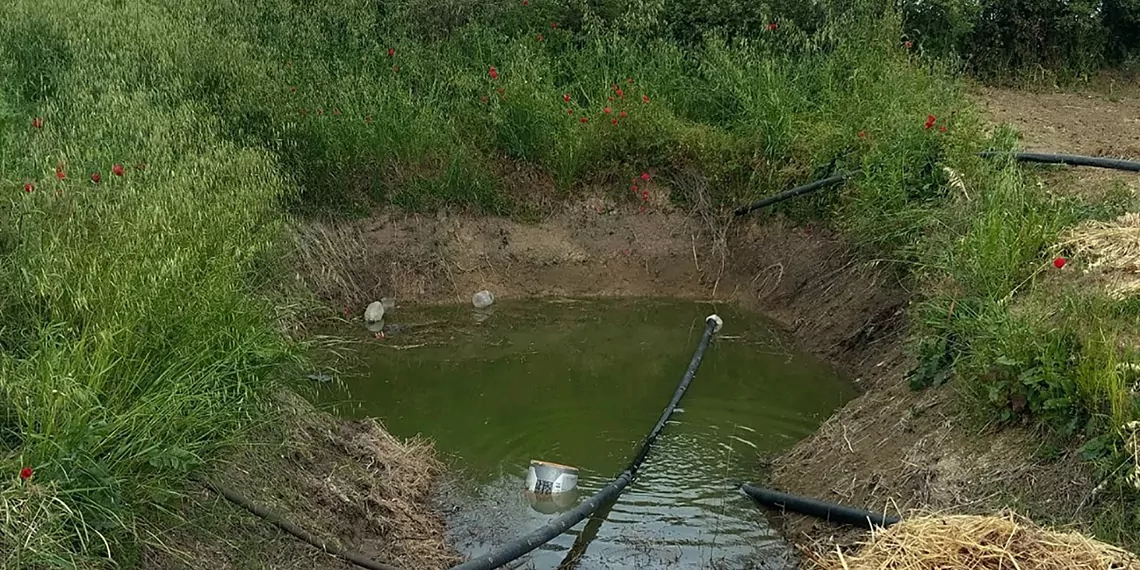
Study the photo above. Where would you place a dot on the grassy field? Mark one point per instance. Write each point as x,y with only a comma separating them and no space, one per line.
152,154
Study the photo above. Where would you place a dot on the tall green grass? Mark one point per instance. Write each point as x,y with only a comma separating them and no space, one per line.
137,342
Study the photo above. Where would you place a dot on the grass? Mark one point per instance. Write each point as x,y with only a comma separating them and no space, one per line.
139,340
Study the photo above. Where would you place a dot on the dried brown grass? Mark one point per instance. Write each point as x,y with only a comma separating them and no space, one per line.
369,487
1002,542
1112,251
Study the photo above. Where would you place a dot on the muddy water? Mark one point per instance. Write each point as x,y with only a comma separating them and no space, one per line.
580,383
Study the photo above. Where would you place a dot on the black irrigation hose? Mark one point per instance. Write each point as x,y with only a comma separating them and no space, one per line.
1040,157
792,193
1070,159
524,544
830,512
545,533
331,548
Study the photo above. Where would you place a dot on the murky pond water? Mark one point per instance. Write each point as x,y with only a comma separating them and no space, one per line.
580,383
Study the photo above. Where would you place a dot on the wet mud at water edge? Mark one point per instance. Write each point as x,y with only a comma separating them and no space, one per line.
581,383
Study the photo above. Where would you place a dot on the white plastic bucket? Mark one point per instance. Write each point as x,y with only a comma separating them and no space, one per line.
546,478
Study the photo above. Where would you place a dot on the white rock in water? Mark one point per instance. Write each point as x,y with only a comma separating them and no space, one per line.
482,299
375,312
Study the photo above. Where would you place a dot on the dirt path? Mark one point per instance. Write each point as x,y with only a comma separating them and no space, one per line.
1104,122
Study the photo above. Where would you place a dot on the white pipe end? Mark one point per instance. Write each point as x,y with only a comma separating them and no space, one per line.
719,322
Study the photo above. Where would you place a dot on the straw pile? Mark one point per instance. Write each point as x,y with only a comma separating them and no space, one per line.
1113,251
1002,542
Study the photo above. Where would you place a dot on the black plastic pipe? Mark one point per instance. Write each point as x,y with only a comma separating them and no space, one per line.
830,512
1071,160
792,193
522,545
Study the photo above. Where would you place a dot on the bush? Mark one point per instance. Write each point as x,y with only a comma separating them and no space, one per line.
998,38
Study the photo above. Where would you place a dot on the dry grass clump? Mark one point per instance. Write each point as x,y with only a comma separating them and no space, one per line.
1002,542
367,488
1113,250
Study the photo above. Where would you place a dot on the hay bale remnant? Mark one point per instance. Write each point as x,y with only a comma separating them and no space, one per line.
1005,541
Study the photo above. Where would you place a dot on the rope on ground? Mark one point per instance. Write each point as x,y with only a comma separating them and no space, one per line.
287,526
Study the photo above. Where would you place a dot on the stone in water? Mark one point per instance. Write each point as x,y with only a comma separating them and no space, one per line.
482,299
375,312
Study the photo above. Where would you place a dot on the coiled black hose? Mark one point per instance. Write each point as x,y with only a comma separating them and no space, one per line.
546,532
522,545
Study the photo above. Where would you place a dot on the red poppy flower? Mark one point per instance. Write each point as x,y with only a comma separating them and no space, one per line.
494,73
96,177
391,52
773,27
526,2
483,98
619,93
38,122
606,110
538,37
615,87
645,195
29,187
909,44
645,176
645,98
623,114
930,119
1060,262
610,99
633,188
26,473
59,173
613,122
566,97
942,128
554,25
117,170
583,120
862,134
569,111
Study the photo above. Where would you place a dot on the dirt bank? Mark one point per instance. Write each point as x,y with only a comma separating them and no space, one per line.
344,481
804,277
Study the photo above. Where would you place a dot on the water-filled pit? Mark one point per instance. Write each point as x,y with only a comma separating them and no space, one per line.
580,383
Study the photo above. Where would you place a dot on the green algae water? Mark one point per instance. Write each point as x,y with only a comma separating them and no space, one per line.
581,383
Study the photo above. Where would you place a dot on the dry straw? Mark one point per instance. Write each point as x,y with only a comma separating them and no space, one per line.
1002,542
1112,250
